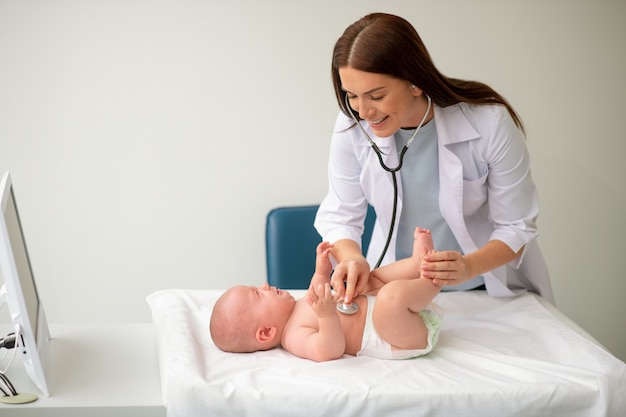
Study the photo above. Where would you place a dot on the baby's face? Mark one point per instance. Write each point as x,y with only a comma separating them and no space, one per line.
267,304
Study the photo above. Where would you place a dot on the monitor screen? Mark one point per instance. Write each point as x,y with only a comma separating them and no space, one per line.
22,297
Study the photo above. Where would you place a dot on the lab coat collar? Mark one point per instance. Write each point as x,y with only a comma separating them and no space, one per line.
453,125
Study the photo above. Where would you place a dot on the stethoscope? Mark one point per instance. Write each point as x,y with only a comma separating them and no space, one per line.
352,308
393,171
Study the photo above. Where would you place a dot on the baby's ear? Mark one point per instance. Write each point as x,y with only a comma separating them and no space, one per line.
265,334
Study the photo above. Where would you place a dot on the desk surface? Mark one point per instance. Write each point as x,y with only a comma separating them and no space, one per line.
94,370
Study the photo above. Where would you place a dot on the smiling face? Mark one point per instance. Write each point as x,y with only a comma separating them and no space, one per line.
386,103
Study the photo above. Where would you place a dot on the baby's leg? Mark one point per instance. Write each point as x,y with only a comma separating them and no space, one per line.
408,268
396,313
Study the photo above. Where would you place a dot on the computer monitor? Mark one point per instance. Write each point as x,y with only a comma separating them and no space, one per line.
22,298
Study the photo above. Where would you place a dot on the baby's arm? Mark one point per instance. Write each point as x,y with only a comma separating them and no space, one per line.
323,266
325,341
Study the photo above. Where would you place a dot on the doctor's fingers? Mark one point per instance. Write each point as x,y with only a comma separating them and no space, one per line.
439,256
446,277
349,278
340,275
356,284
446,269
337,282
443,261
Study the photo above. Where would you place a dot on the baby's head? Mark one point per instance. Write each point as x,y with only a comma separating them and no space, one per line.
247,319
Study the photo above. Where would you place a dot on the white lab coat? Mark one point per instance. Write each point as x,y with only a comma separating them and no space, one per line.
486,191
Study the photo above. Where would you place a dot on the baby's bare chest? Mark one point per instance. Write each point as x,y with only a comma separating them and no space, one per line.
352,325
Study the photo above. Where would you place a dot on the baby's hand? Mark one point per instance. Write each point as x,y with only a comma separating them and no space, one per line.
322,300
323,265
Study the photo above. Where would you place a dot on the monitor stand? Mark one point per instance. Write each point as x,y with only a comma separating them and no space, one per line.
9,394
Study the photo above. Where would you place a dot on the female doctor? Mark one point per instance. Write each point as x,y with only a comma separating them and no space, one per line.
465,176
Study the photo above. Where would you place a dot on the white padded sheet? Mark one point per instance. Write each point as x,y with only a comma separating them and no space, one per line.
495,357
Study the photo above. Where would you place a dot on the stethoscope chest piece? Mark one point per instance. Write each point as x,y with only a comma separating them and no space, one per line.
347,308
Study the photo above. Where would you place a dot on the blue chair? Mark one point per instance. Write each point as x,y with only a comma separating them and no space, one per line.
290,242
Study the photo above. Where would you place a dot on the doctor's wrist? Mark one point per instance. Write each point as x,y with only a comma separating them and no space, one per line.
468,271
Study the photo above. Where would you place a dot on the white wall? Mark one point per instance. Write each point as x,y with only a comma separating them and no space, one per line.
148,139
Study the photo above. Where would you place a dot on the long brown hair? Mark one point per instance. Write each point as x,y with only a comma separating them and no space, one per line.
387,44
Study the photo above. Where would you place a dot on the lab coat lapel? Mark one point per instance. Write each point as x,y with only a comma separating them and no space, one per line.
453,127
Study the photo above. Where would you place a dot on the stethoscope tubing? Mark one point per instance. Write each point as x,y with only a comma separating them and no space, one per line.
391,170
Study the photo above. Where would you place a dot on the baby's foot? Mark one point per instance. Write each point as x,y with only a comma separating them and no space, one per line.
422,245
423,242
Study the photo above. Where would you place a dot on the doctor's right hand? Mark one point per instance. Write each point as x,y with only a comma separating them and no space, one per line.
350,278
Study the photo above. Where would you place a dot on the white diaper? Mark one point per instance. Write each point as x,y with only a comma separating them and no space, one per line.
374,346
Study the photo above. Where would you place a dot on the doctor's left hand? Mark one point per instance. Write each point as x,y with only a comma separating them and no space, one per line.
445,268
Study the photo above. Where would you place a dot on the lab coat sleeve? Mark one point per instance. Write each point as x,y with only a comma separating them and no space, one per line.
513,201
342,212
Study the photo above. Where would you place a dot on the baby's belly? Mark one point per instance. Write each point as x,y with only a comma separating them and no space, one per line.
353,326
